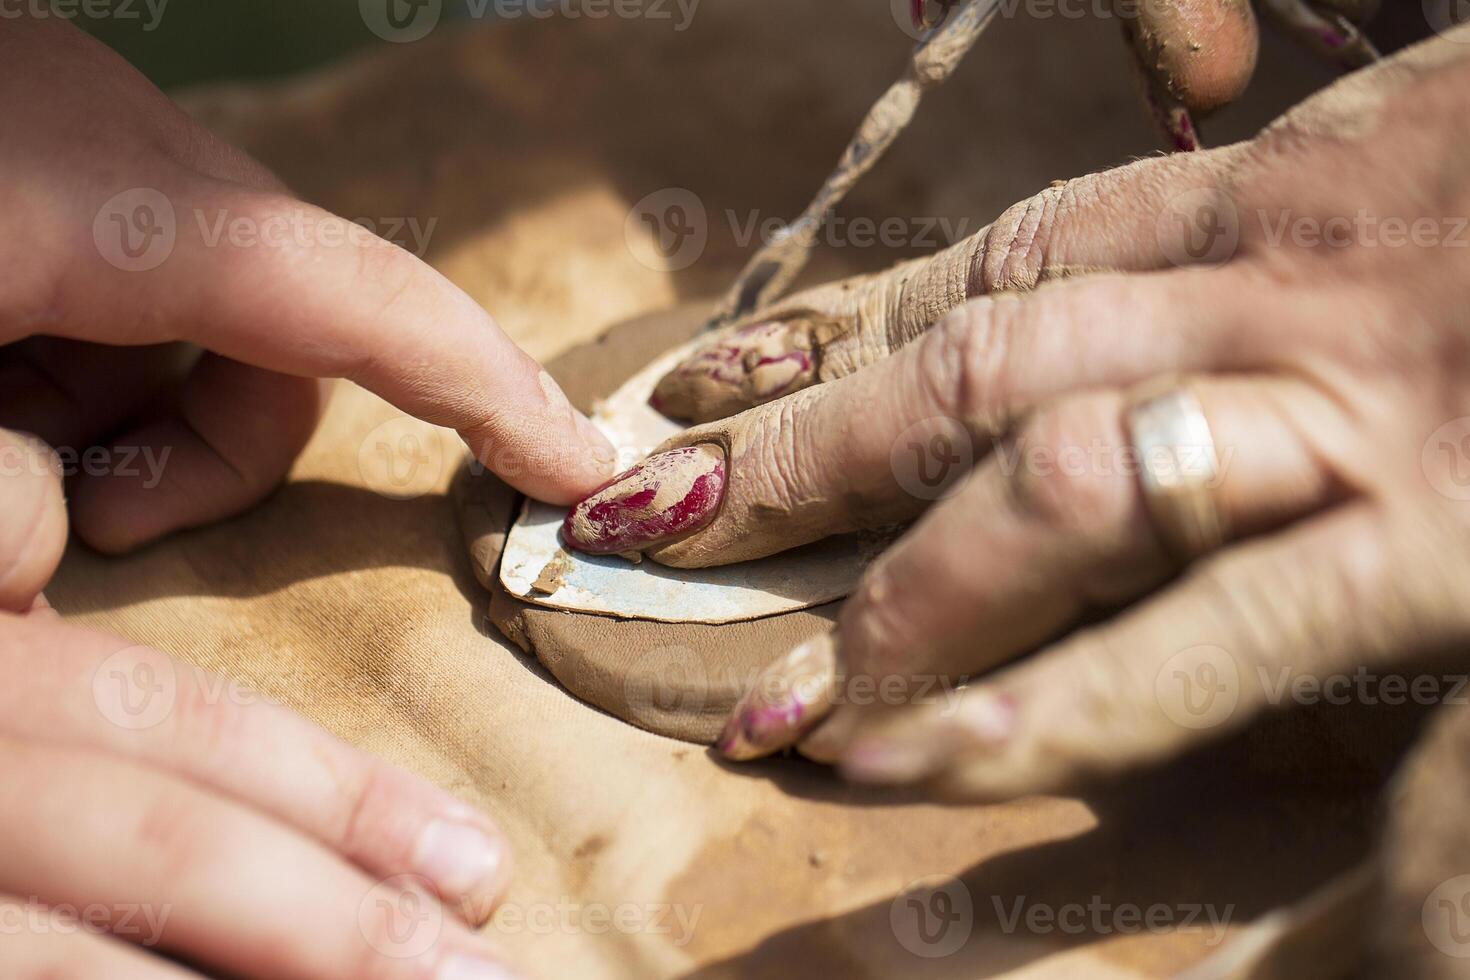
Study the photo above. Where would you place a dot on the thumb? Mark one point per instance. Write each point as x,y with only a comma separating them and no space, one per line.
32,519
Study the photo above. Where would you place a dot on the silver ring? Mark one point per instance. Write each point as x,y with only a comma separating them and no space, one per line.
1178,466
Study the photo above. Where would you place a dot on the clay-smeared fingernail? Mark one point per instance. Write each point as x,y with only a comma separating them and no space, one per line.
784,702
755,364
666,496
909,751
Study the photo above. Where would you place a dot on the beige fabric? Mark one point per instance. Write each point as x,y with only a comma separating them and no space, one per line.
530,142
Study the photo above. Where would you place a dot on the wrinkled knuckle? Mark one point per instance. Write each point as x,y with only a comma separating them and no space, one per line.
176,839
965,362
886,635
1259,608
789,460
1069,479
213,716
365,800
1018,245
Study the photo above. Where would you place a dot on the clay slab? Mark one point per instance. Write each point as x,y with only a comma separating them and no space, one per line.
536,568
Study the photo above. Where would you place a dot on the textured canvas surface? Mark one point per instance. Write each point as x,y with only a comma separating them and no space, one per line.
350,597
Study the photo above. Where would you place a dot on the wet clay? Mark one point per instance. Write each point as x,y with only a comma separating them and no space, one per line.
679,680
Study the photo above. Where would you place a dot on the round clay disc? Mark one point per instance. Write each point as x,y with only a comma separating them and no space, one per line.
677,679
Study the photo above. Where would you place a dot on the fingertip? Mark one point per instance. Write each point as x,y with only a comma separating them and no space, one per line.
1202,51
784,702
602,455
237,434
668,496
468,860
744,367
34,528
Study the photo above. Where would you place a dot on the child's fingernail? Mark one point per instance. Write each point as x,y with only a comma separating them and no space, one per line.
785,701
664,497
885,760
462,860
752,365
906,753
471,966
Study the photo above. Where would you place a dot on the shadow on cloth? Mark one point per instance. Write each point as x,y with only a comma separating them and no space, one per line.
1182,851
305,530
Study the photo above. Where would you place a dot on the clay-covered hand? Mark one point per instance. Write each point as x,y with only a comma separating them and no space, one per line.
126,224
1319,315
152,815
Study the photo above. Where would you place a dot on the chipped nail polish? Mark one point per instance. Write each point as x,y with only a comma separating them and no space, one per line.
755,364
666,496
785,701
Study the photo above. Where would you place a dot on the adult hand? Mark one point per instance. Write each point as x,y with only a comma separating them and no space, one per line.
1314,301
124,223
153,815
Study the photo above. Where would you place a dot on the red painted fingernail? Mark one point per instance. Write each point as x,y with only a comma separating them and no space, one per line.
663,497
785,700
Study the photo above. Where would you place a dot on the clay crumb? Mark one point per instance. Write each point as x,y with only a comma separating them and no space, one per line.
553,573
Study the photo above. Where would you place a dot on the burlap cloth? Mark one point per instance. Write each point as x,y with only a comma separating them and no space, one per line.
529,141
